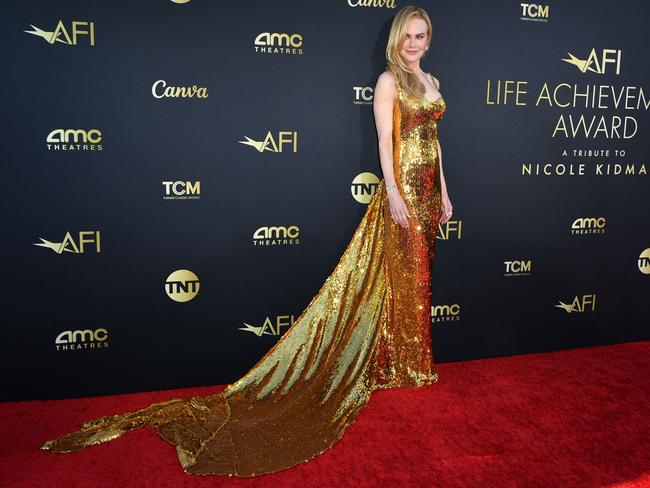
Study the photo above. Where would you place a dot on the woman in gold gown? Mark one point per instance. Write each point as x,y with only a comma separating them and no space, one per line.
368,327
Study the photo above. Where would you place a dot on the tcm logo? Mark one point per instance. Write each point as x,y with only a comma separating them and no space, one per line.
535,12
74,140
277,236
182,285
364,186
77,31
452,229
445,313
372,3
363,95
69,340
597,63
579,304
160,89
274,43
518,268
276,326
644,261
284,139
84,239
588,225
182,190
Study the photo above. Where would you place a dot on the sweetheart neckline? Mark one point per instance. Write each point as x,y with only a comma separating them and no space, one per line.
427,101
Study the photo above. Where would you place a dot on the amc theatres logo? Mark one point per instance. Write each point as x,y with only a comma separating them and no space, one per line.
588,225
277,235
278,43
445,313
74,140
69,340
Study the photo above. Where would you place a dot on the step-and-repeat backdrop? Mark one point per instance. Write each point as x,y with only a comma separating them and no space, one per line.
182,176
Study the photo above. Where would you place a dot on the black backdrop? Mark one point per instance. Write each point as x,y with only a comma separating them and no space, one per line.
98,319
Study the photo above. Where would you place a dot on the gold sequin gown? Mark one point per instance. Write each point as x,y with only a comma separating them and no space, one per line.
368,327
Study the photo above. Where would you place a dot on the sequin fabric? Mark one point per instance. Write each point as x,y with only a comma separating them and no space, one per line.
368,327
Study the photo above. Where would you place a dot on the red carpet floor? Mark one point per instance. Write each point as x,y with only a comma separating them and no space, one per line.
574,418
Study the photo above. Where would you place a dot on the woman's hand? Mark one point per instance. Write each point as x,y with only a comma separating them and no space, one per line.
446,209
398,209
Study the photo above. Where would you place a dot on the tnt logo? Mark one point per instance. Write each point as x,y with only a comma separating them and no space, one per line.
70,244
77,29
182,285
364,186
182,190
644,261
274,144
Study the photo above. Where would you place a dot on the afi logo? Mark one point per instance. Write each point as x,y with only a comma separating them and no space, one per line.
450,228
61,34
597,63
271,144
86,237
579,304
270,327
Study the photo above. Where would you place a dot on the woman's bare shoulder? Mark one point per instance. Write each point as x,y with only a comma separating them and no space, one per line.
386,83
435,81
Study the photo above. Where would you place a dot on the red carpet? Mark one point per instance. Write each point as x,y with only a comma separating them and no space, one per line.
575,418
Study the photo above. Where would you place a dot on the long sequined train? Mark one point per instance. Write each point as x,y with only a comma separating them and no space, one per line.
368,327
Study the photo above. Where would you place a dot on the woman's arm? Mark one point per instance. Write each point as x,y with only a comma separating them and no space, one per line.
384,100
382,106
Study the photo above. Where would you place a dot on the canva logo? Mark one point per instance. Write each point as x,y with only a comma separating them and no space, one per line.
182,285
70,244
372,3
274,144
160,89
70,36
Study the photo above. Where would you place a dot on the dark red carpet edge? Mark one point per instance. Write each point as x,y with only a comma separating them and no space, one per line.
574,418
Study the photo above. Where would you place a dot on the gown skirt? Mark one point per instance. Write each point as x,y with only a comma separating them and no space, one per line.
368,327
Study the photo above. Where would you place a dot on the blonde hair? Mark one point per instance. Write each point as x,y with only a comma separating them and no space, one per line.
395,63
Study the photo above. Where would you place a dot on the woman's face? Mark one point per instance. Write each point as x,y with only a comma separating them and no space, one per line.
414,46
